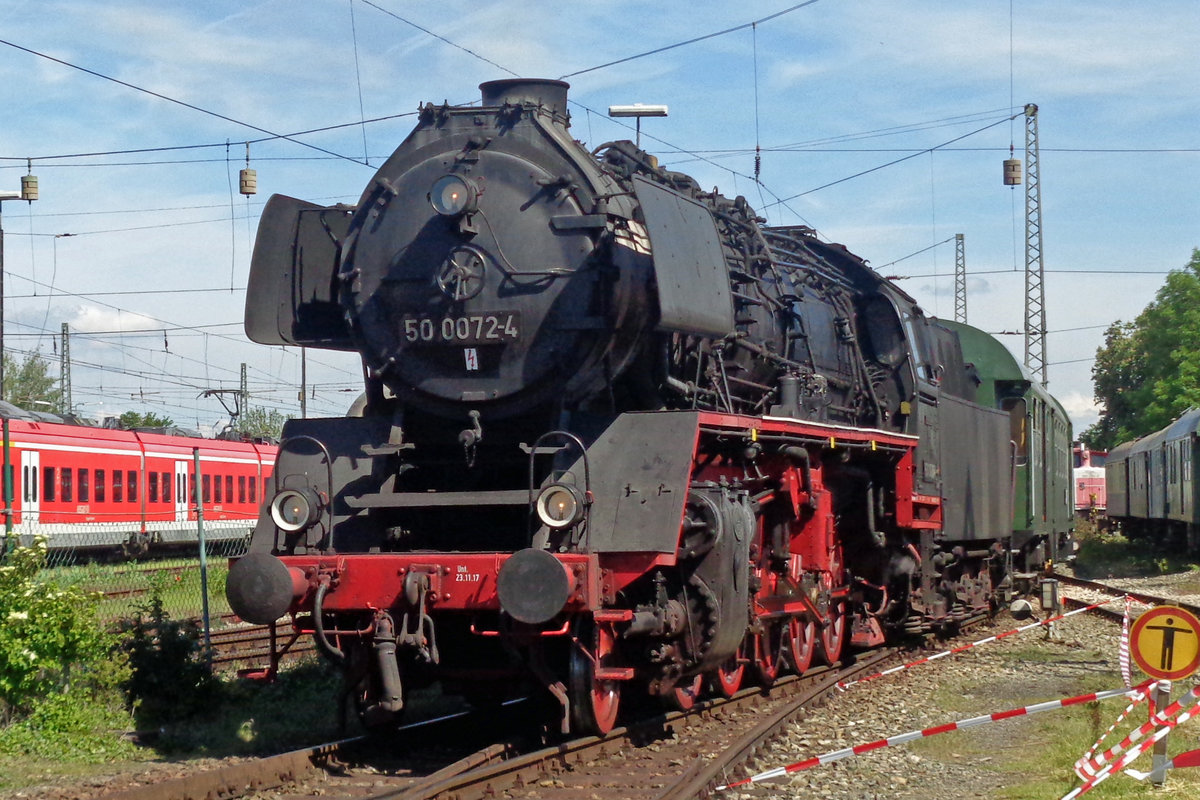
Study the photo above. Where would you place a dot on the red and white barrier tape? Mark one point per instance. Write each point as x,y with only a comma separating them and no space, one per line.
1170,717
1083,767
1189,759
1126,670
838,755
843,685
1093,766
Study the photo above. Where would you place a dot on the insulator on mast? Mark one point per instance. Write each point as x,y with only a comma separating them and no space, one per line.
248,178
1012,172
29,183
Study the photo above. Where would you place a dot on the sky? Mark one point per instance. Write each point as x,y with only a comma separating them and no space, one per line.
882,125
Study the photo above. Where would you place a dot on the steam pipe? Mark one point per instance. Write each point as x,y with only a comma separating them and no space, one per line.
323,644
391,696
804,461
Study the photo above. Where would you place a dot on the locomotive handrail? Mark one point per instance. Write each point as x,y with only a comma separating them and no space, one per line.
500,497
283,445
587,472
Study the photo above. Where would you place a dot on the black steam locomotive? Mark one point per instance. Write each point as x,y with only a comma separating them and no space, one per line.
617,435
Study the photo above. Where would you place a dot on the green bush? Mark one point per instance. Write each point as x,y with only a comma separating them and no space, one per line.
170,677
51,641
60,670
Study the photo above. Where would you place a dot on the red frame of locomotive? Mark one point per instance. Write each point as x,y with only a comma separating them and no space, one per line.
467,582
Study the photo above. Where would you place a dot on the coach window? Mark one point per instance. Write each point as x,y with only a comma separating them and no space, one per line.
217,489
68,485
228,488
253,489
206,484
118,486
85,486
152,487
241,488
131,483
100,486
166,486
48,484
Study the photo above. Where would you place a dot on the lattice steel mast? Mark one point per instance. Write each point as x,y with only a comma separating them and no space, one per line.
64,372
960,279
1035,288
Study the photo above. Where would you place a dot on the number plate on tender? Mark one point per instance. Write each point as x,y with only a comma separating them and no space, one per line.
494,328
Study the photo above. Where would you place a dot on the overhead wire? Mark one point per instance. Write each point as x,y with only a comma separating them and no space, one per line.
362,122
362,114
441,38
685,43
896,161
176,101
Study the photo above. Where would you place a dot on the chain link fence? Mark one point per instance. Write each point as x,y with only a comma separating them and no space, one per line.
128,571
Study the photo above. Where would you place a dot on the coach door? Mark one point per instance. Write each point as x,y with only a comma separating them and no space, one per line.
30,487
182,499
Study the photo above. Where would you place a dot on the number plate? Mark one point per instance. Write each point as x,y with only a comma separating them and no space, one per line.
495,328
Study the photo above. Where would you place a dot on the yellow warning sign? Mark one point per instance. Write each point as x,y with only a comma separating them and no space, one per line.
1165,642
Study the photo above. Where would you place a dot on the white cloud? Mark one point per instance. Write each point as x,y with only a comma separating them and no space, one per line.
91,319
1082,410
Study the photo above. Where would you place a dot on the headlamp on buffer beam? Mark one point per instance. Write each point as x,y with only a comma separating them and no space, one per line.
296,509
453,196
560,506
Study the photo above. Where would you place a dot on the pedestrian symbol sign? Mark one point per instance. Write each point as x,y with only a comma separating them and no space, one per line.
1165,642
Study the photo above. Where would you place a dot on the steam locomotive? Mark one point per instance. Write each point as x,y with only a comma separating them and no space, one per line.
618,437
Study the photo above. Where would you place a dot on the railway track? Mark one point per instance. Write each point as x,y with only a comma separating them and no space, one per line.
1087,592
249,646
665,756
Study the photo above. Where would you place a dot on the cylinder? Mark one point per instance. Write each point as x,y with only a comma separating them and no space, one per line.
29,187
248,181
1012,172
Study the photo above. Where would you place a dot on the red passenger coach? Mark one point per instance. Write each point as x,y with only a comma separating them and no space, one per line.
101,489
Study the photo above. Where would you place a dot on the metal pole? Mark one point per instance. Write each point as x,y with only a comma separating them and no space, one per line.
28,193
199,497
7,474
9,543
1158,763
303,383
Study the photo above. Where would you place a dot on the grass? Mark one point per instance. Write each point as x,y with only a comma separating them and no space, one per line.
243,718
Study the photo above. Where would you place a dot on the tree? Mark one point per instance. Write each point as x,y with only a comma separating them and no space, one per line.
262,423
134,419
28,385
1148,371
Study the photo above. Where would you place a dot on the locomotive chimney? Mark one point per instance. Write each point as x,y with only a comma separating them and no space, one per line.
517,91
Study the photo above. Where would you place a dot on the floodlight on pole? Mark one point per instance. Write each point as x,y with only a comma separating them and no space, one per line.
637,110
28,192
